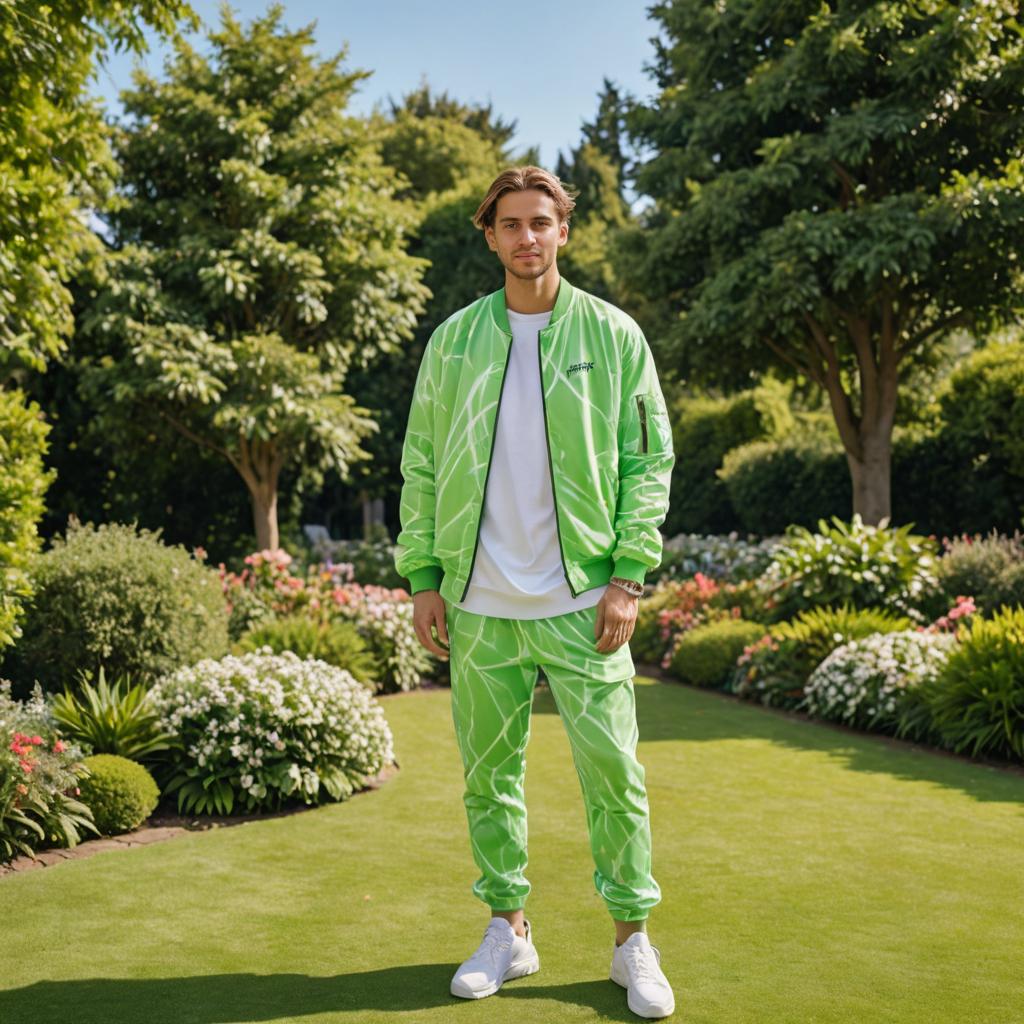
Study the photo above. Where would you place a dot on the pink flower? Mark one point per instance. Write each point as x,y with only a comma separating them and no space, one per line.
58,746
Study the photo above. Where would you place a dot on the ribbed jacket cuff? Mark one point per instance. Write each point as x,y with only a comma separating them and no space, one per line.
630,569
427,578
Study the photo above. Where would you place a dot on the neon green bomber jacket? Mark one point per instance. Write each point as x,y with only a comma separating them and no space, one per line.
609,443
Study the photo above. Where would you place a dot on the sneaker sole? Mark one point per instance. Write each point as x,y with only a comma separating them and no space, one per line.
515,970
629,1002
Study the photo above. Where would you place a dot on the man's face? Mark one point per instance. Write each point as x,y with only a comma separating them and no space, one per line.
527,233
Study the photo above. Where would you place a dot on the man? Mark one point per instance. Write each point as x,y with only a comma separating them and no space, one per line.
536,471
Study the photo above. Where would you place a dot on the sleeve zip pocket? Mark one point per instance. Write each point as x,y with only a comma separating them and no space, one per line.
643,422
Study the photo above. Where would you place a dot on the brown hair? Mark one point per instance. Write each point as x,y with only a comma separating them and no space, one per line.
519,179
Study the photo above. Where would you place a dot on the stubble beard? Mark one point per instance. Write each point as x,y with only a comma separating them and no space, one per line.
528,274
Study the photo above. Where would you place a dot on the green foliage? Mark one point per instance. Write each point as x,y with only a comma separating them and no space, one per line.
39,779
776,668
707,654
120,793
110,718
977,704
434,152
706,429
23,482
116,596
259,253
835,187
338,643
869,566
990,569
54,155
982,408
774,484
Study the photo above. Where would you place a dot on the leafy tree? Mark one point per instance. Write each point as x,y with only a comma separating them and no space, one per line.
448,153
259,254
837,186
54,157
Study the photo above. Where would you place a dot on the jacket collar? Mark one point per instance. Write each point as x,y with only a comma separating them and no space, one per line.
499,309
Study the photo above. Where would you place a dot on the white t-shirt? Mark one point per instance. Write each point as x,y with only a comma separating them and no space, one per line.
518,569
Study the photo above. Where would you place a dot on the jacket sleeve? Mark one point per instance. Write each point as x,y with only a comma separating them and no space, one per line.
414,546
646,458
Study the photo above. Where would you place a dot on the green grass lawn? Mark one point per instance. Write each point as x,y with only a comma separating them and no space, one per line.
809,874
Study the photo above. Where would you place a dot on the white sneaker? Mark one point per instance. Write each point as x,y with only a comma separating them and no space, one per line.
636,966
503,954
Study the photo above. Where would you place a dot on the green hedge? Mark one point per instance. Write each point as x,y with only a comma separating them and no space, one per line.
23,482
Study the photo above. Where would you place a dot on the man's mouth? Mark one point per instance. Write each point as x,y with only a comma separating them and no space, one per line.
527,255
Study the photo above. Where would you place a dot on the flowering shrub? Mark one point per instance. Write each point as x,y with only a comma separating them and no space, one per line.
384,618
715,555
957,616
39,777
267,589
869,566
863,683
989,568
977,703
775,667
264,727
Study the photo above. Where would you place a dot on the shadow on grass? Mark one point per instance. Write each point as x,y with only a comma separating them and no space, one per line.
674,712
216,998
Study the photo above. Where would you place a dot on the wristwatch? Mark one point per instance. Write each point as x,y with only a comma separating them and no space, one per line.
636,589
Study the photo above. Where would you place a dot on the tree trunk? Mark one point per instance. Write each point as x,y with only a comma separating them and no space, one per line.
872,476
260,467
264,518
867,435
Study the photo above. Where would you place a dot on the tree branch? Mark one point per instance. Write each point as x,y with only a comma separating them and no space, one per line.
958,319
795,363
849,185
193,436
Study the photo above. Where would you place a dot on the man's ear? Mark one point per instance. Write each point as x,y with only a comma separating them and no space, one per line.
489,236
563,232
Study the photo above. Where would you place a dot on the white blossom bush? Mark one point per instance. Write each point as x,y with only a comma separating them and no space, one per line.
384,619
865,683
257,729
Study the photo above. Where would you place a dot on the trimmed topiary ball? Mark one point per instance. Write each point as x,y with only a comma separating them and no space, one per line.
707,654
120,793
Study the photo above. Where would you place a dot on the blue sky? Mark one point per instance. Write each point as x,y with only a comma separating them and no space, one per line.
541,64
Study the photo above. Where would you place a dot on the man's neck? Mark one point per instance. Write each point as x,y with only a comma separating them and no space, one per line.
536,296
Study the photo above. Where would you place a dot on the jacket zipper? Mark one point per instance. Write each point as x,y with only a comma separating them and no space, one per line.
551,466
490,459
643,422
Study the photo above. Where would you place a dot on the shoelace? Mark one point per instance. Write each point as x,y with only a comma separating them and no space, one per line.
640,965
493,944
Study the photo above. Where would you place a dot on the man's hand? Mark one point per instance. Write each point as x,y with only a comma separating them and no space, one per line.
428,610
616,617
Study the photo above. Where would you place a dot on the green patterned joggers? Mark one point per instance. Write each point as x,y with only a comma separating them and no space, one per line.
494,666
